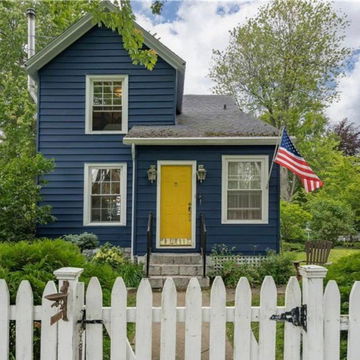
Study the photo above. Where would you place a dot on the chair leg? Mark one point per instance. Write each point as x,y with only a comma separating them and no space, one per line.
297,266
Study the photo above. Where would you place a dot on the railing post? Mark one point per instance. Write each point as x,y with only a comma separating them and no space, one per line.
69,331
313,293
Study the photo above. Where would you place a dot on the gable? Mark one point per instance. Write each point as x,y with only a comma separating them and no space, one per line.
84,25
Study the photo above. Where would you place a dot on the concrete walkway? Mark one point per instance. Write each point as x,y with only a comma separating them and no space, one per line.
180,329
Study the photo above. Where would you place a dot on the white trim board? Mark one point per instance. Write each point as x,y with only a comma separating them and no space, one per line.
87,192
226,140
265,191
158,199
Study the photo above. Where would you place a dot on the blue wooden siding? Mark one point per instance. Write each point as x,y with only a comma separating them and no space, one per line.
61,129
242,237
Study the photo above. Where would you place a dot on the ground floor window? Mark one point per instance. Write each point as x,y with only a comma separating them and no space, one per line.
105,194
244,189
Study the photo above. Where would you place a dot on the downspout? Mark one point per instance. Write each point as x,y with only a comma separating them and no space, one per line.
133,157
30,14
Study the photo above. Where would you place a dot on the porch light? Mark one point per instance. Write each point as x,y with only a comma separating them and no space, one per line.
201,173
151,173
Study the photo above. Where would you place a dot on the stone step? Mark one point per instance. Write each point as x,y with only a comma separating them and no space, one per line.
174,269
180,259
181,282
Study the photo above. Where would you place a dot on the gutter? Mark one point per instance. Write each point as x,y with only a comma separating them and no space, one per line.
196,141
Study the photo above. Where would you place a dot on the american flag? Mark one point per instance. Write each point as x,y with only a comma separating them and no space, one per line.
290,158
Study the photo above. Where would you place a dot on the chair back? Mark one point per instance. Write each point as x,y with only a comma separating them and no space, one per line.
317,252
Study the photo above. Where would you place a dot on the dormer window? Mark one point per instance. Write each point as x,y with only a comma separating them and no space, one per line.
106,104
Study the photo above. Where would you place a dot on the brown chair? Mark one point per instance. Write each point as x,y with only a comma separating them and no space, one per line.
317,253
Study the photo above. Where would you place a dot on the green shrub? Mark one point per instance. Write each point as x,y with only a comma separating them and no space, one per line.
293,221
331,218
280,267
345,272
20,195
85,241
292,246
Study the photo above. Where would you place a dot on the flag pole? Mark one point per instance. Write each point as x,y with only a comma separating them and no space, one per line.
275,152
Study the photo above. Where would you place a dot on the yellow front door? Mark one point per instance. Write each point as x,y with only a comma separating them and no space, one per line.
176,205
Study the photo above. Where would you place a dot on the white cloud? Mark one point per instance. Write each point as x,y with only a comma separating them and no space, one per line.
198,28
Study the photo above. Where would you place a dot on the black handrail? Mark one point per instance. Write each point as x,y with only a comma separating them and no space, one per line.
149,232
203,240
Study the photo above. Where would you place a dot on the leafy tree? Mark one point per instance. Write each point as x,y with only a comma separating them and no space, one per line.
330,218
349,136
283,63
293,221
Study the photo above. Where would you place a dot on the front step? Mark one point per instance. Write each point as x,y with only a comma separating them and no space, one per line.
181,282
180,267
179,259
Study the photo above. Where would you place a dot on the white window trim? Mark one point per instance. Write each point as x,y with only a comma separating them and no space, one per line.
87,192
265,191
88,101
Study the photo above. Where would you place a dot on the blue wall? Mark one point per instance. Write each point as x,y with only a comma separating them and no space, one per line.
61,133
242,237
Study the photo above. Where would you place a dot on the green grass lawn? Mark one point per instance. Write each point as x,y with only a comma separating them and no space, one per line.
335,254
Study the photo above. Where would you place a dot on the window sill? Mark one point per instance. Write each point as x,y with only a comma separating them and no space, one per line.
104,224
244,222
106,132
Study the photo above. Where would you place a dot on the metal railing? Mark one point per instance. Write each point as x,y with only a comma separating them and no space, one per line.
203,240
149,233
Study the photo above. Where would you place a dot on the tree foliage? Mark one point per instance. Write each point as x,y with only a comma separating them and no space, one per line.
349,137
283,63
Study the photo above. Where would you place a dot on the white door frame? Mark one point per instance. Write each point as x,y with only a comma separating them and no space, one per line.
193,204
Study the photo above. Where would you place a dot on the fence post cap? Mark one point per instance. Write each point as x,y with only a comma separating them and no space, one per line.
313,271
68,273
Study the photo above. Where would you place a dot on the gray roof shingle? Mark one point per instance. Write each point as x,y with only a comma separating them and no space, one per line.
208,116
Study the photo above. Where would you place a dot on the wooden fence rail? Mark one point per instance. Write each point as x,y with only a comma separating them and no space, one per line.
247,346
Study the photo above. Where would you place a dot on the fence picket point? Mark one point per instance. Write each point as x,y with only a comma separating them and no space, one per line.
4,320
49,333
332,304
193,320
118,331
143,336
94,332
168,321
292,334
24,321
267,327
217,320
242,320
353,352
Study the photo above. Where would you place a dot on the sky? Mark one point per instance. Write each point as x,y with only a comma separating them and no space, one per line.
193,28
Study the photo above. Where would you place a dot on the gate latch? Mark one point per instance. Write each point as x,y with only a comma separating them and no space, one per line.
60,301
296,316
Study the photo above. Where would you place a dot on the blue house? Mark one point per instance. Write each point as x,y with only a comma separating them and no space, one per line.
127,143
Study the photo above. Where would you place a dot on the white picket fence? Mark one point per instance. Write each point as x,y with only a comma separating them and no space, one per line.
61,341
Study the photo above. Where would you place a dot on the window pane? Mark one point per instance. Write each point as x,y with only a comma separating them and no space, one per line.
109,121
105,196
107,105
244,205
247,173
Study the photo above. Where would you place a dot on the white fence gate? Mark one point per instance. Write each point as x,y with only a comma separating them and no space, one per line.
65,340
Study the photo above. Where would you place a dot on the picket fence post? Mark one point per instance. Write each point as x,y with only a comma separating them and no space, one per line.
313,297
68,331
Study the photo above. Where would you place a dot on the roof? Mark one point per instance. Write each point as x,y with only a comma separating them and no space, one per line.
81,27
208,117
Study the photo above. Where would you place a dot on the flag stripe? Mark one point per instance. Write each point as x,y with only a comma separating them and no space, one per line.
288,157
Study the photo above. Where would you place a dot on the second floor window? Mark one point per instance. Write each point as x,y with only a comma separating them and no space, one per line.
106,104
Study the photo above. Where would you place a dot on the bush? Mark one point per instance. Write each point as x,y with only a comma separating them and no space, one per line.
292,246
293,221
20,195
280,267
330,219
345,272
36,262
85,241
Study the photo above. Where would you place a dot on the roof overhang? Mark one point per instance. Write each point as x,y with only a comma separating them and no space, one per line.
81,27
241,140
